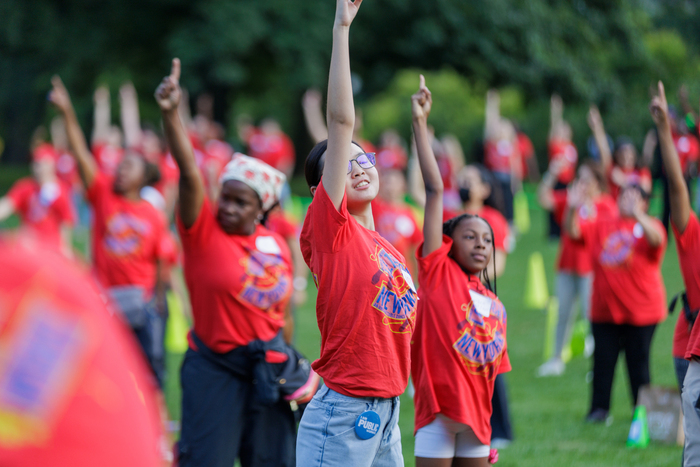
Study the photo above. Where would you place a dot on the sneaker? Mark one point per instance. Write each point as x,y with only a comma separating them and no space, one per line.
552,367
598,416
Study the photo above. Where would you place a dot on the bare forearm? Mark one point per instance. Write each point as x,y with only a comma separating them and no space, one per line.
191,184
87,168
571,226
601,140
651,229
432,225
545,191
678,191
315,124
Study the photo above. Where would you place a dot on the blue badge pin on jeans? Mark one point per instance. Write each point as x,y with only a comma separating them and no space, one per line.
367,424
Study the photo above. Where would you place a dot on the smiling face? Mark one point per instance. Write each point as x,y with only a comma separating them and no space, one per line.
472,245
361,185
239,208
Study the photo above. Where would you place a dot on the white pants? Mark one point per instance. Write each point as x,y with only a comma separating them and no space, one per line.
444,439
691,415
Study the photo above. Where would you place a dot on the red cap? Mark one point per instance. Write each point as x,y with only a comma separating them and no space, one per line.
44,151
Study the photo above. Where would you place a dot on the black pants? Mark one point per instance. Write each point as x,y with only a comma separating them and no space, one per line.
221,418
500,417
554,227
610,339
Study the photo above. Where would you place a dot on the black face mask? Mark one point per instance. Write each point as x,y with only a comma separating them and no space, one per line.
464,194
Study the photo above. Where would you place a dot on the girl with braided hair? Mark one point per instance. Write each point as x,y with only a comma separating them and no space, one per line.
459,343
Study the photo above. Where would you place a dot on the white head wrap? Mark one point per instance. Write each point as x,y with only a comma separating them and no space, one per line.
266,181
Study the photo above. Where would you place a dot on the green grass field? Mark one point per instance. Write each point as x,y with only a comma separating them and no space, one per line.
547,413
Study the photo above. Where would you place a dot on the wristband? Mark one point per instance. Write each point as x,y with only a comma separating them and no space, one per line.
300,283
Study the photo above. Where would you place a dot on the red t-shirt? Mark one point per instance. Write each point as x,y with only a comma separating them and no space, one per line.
366,303
567,151
641,177
67,170
627,284
108,158
239,284
688,149
573,255
457,350
527,151
126,237
43,212
399,226
276,150
74,388
688,246
499,156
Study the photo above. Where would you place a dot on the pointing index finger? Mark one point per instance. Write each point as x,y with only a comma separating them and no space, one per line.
422,81
175,70
662,91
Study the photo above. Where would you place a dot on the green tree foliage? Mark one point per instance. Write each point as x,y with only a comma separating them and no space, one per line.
258,56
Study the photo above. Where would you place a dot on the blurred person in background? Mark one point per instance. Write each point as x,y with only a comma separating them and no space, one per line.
560,147
239,275
127,234
42,202
268,143
574,267
74,389
686,229
502,152
629,297
623,166
528,159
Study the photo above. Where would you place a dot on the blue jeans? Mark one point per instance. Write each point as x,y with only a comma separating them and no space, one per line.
327,435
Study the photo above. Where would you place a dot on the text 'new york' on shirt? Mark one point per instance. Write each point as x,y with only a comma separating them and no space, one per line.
366,303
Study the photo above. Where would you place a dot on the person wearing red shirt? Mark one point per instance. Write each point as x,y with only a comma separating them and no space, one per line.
560,148
459,344
74,390
622,166
502,152
686,229
528,160
107,139
393,217
629,298
126,237
269,144
42,202
366,298
574,268
240,282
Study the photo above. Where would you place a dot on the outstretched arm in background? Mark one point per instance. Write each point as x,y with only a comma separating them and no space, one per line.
493,115
340,107
678,191
545,190
575,198
103,117
421,103
131,120
311,103
87,167
168,96
595,122
556,115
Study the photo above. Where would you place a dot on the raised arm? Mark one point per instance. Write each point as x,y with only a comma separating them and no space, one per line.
574,200
340,107
493,115
421,103
313,115
678,191
131,120
556,115
102,117
87,167
595,122
168,96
